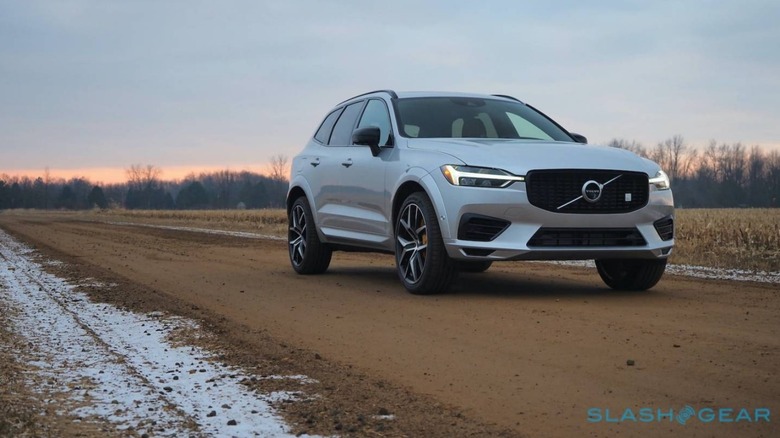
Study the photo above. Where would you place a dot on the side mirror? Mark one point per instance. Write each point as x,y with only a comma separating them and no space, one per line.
368,136
579,138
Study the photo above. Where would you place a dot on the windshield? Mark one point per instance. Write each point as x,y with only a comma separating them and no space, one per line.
468,117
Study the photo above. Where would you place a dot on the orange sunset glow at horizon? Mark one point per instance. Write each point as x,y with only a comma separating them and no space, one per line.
114,175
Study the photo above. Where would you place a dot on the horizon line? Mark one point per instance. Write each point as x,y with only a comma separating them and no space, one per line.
118,175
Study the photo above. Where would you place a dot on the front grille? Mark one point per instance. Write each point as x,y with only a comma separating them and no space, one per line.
552,189
665,228
480,228
587,237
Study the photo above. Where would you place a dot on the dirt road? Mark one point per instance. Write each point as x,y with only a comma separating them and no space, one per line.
532,348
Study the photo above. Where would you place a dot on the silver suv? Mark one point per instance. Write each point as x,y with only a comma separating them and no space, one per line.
452,182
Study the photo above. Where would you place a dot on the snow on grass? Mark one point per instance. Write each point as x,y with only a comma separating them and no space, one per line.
100,363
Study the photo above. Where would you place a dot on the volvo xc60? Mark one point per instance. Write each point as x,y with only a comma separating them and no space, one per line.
453,182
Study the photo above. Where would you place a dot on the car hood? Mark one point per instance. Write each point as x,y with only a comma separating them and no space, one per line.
521,156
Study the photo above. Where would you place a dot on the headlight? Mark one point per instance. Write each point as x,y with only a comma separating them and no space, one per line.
478,176
660,180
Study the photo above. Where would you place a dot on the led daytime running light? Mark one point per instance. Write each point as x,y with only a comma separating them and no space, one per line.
469,176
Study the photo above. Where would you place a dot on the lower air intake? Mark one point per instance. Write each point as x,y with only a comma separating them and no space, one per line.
665,228
480,228
586,237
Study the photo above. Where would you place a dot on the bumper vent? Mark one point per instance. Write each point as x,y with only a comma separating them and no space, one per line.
480,228
665,228
551,189
587,237
478,252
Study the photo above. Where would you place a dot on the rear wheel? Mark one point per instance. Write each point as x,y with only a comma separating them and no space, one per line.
631,274
481,266
420,257
307,254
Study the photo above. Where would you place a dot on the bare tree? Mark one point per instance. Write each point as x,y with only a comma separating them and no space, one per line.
632,146
772,178
46,184
280,168
756,168
142,180
142,177
224,180
671,154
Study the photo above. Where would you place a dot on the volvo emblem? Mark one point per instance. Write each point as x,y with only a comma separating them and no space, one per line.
591,191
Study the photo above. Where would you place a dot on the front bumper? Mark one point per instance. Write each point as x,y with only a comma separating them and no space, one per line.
525,220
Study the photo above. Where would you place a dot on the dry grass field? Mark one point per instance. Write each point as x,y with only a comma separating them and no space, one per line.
724,238
728,238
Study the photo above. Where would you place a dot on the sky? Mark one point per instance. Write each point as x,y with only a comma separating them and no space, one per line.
88,88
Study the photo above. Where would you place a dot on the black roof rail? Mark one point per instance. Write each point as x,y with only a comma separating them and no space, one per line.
506,96
390,92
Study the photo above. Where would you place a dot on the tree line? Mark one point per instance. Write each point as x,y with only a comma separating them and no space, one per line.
721,175
145,189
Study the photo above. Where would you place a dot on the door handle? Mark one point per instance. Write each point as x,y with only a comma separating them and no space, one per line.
347,163
316,162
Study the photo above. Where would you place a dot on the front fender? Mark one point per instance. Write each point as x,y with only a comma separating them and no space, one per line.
424,179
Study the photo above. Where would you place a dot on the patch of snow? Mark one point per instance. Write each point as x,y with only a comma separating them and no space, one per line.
703,272
303,380
100,362
724,274
91,282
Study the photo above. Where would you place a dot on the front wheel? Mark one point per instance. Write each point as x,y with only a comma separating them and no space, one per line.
420,257
307,254
631,274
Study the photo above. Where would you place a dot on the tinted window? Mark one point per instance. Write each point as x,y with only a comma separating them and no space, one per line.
342,132
448,117
527,129
323,133
376,114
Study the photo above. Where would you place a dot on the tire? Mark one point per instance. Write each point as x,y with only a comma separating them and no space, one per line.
307,254
631,274
421,260
474,267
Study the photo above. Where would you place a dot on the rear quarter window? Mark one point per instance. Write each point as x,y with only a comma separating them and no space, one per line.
323,134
